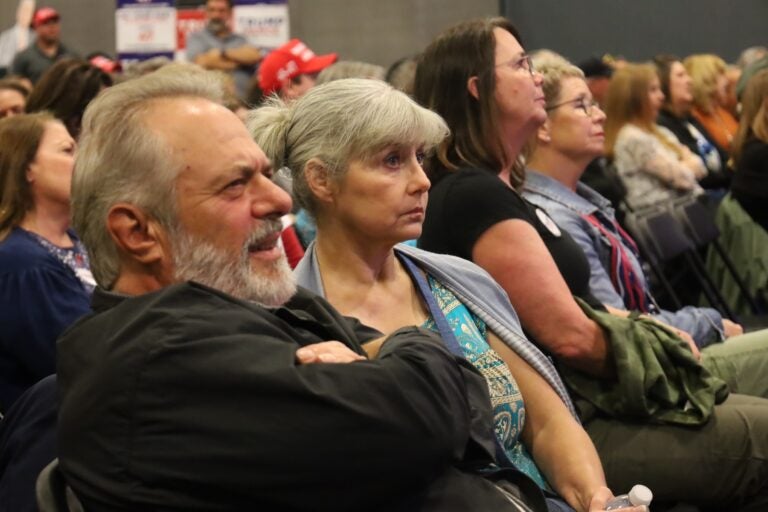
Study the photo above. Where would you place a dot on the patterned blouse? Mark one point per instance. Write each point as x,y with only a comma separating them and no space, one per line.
651,172
507,401
75,258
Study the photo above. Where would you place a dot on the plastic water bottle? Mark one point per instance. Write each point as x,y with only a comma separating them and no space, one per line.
638,495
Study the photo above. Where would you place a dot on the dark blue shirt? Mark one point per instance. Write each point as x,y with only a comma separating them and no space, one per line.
39,298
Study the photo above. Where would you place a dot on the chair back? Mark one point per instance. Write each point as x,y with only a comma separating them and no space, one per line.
53,493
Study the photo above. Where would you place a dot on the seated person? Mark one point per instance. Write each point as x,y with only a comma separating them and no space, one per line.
750,150
558,157
675,115
13,97
291,70
709,78
203,379
654,166
363,182
27,444
45,281
65,90
493,105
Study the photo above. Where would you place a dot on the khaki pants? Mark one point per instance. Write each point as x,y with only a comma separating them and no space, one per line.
742,362
720,466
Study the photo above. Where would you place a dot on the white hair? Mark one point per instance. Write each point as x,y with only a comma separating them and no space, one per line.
337,122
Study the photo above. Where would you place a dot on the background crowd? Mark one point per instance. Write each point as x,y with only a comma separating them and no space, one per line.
499,199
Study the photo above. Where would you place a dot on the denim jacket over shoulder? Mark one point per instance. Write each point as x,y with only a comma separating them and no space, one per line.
567,208
477,291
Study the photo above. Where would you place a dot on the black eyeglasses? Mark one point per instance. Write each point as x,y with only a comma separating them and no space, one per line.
585,105
522,62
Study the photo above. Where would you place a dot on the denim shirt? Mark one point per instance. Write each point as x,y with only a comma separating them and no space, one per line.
567,207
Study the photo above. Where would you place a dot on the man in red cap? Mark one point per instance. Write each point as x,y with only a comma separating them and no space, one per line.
47,48
291,70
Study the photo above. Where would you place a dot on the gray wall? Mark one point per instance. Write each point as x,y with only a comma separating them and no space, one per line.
641,29
378,31
381,31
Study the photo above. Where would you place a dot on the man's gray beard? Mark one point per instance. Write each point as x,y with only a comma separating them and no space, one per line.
197,260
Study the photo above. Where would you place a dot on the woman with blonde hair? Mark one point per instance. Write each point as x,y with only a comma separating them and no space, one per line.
650,160
45,281
750,151
709,74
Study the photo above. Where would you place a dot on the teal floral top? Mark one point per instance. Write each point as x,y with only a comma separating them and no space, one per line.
507,401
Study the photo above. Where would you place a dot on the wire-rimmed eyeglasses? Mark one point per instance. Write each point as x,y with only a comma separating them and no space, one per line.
522,62
585,105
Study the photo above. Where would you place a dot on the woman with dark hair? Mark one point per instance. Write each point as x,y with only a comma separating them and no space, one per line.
13,97
750,150
477,76
66,89
45,281
675,115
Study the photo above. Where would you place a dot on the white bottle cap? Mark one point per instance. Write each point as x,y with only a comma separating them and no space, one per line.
640,495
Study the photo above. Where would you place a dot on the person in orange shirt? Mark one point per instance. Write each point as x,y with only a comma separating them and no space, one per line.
710,94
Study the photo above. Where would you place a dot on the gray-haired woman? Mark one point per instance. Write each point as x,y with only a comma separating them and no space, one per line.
355,149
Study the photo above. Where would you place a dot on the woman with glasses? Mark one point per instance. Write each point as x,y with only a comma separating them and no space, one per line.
558,156
475,211
362,180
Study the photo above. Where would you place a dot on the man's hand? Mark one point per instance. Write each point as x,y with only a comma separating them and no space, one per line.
327,352
731,328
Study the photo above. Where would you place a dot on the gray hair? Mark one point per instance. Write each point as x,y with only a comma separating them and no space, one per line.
554,68
121,159
751,55
338,122
350,69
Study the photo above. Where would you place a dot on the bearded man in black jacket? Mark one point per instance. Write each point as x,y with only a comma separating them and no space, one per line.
204,379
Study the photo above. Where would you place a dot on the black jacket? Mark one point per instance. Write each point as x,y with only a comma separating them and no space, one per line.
188,399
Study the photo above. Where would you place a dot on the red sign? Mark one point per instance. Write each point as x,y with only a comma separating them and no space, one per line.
188,21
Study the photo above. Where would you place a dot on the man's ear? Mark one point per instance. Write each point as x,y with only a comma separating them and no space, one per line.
318,180
138,237
472,87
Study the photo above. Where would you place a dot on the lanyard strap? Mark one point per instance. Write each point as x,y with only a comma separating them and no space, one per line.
446,333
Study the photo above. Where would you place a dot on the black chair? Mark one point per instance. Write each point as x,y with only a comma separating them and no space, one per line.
662,239
53,493
656,250
699,224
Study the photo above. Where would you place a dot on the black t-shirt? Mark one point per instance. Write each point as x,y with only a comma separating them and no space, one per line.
679,127
464,204
750,182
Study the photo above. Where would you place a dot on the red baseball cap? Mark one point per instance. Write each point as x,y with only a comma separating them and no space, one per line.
292,59
44,15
